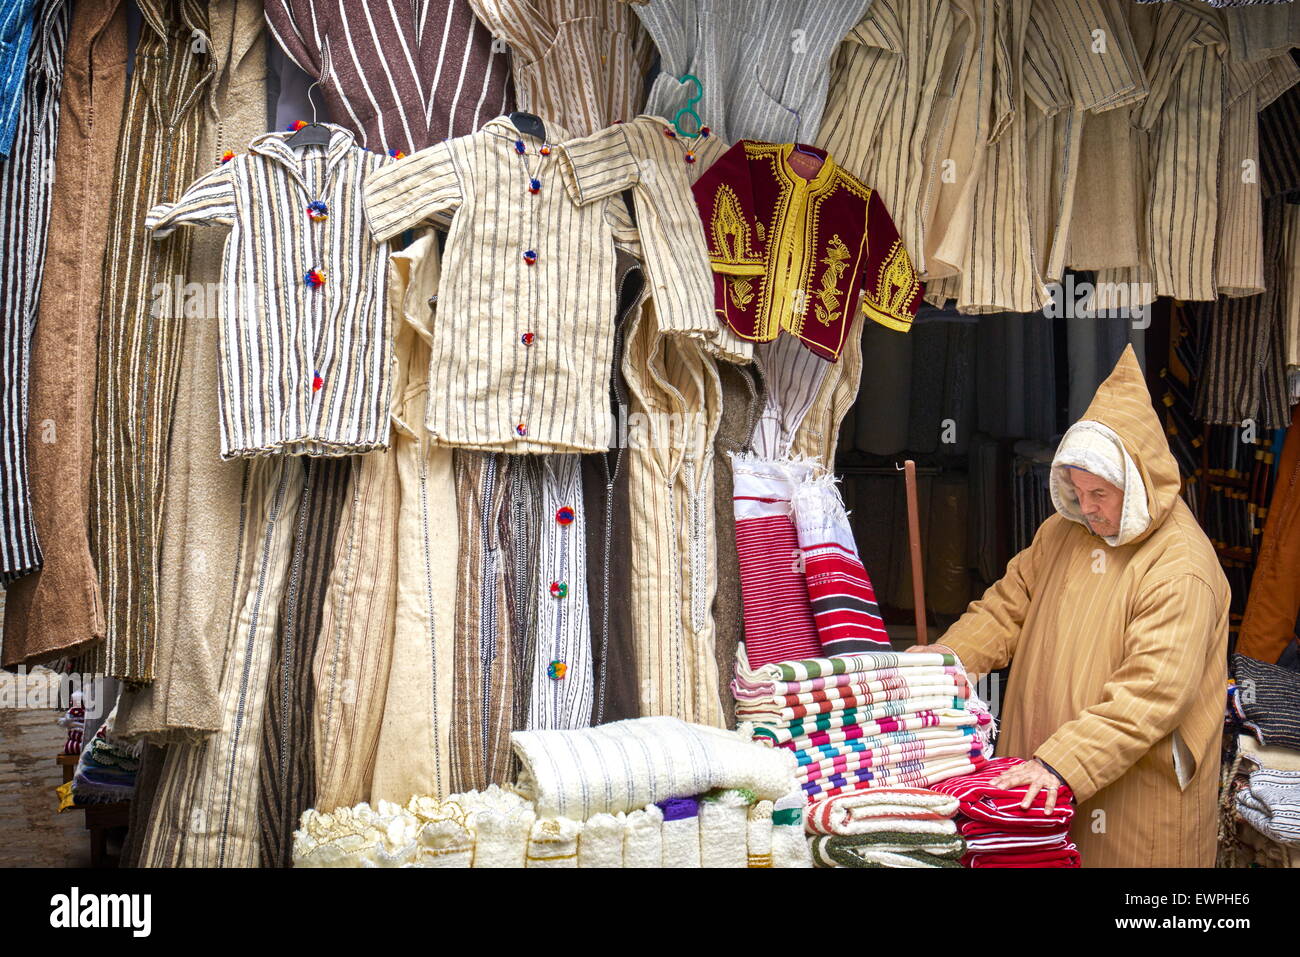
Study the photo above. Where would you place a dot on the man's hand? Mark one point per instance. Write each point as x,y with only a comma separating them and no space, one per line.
933,649
1036,776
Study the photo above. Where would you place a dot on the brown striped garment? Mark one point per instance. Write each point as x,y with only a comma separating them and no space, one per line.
288,762
200,529
401,76
57,610
306,364
578,63
484,675
139,341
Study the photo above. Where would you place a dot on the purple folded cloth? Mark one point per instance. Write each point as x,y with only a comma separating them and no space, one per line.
676,809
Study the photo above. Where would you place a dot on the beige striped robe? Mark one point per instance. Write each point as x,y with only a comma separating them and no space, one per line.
1117,659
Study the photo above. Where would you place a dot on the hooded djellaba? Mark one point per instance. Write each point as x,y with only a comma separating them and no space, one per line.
1117,645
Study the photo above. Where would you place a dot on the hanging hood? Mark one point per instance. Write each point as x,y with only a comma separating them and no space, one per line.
1120,413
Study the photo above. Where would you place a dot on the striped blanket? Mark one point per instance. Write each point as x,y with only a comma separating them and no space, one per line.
937,736
918,724
877,809
811,668
906,715
906,774
865,708
884,759
888,689
887,849
746,690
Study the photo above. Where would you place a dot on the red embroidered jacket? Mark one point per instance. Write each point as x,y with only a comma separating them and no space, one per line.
800,254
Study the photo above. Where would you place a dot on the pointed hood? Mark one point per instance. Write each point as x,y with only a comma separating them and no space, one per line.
1122,410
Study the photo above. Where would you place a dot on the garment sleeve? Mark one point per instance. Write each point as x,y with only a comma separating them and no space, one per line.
285,19
986,636
209,201
733,232
599,166
1167,648
891,288
404,194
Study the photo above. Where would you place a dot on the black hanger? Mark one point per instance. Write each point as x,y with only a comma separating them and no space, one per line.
313,134
529,123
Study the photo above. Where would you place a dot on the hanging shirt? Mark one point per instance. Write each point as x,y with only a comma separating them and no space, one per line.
578,63
764,67
650,158
305,360
793,253
399,75
525,332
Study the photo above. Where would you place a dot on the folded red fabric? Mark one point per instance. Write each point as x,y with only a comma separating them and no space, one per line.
980,801
1064,857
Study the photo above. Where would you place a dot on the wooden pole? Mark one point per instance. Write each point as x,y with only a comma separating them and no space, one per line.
914,536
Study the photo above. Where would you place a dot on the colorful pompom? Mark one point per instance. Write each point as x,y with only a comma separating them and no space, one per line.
395,153
690,156
545,151
556,670
530,256
564,515
519,147
296,125
559,589
705,131
227,156
671,134
534,186
317,210
521,429
314,278
527,338
316,382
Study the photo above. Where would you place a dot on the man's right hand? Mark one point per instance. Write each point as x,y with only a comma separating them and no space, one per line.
933,649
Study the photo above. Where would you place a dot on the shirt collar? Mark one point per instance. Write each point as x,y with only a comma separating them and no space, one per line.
502,127
275,145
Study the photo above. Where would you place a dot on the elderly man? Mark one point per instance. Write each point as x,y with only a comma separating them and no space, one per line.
1115,622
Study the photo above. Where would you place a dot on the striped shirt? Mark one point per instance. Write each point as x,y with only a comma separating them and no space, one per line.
641,156
16,25
522,349
304,370
401,75
578,63
25,186
764,66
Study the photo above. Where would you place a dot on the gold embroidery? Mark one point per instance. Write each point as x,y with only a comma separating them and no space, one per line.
742,291
896,285
835,261
731,243
761,230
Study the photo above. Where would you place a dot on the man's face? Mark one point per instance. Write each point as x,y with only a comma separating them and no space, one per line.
1100,501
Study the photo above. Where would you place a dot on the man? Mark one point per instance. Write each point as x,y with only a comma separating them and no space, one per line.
1115,620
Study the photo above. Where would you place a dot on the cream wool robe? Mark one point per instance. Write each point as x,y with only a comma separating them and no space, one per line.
1118,659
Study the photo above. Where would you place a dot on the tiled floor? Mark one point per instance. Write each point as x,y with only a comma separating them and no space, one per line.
31,833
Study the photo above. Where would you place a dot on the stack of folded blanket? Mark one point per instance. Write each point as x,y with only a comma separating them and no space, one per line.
999,832
885,827
869,720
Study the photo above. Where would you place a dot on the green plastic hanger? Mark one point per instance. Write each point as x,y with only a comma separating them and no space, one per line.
687,109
